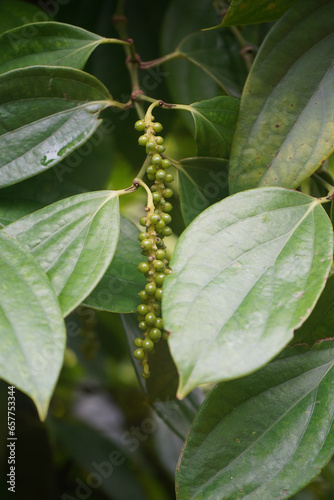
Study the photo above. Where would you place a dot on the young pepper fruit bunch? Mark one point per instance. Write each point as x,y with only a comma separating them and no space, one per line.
156,228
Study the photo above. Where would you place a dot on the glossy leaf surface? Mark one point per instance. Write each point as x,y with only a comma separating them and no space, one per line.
74,241
31,326
45,113
46,44
246,273
202,181
285,128
264,436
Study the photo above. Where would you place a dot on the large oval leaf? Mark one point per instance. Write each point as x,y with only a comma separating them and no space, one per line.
265,436
285,128
32,330
13,209
160,388
45,113
247,272
187,82
215,120
49,44
118,290
74,241
218,54
202,181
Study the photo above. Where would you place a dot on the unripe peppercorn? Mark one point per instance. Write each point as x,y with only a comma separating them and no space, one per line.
169,178
138,342
167,231
160,254
143,267
150,146
150,288
160,225
165,163
146,244
150,318
156,159
143,294
159,279
159,323
154,218
167,193
155,334
142,236
158,265
166,218
143,310
148,345
157,127
140,125
160,175
168,207
151,170
142,140
139,354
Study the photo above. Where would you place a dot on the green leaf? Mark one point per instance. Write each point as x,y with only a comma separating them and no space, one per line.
249,12
202,181
15,13
285,128
218,54
48,44
246,273
160,388
162,384
105,458
118,290
264,436
74,241
43,189
187,82
12,209
32,330
45,113
215,120
319,325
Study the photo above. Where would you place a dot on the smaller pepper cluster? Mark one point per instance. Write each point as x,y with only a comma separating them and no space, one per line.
156,228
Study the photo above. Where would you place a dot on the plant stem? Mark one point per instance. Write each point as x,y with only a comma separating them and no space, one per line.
247,50
132,58
150,204
142,171
160,60
322,181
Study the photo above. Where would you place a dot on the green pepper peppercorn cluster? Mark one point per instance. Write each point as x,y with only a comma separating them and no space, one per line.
156,223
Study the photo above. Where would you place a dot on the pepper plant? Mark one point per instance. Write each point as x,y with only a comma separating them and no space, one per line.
219,260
